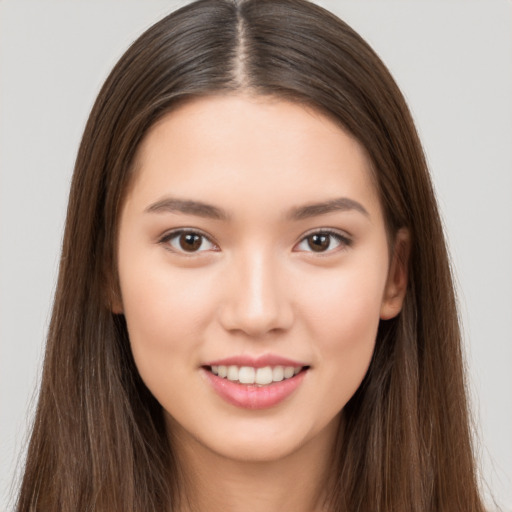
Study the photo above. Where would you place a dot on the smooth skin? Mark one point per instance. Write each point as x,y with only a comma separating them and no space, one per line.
249,276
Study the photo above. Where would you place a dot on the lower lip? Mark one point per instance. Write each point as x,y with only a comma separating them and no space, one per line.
249,396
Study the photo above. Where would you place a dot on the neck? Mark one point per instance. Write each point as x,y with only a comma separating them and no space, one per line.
298,481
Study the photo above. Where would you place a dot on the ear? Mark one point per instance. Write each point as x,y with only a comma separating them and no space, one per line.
116,305
396,285
113,297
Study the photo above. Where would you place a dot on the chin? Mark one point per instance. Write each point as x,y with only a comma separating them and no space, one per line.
258,451
258,440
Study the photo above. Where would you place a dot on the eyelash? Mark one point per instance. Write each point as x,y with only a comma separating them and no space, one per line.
343,240
166,239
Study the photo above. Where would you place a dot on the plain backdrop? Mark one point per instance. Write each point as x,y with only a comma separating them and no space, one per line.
453,61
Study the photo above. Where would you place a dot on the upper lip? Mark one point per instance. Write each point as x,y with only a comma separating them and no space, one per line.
255,362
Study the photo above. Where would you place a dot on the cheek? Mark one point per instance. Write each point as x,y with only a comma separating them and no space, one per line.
343,315
165,312
346,305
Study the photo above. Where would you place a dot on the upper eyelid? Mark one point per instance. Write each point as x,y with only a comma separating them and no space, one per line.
178,231
330,231
168,235
343,238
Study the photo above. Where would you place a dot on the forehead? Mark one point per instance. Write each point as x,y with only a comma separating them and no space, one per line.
264,149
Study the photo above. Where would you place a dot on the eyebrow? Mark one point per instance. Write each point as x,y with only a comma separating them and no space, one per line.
172,205
187,206
343,204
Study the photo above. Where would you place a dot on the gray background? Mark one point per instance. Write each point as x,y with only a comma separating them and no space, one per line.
452,59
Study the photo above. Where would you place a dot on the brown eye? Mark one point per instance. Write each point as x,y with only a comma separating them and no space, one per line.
319,242
324,242
190,241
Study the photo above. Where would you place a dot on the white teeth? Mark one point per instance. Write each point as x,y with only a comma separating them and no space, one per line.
263,375
246,375
288,371
232,372
278,374
258,376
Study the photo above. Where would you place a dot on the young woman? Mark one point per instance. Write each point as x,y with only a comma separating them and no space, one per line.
254,308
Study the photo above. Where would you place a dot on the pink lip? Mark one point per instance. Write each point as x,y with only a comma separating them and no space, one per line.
250,396
255,362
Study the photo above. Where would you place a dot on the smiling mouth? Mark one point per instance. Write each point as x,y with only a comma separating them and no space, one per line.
264,376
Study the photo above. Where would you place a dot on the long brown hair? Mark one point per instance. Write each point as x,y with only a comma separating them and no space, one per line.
99,441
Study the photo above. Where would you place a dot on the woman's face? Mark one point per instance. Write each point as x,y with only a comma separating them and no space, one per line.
254,269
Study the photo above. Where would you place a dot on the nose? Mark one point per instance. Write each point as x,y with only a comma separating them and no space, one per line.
256,301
